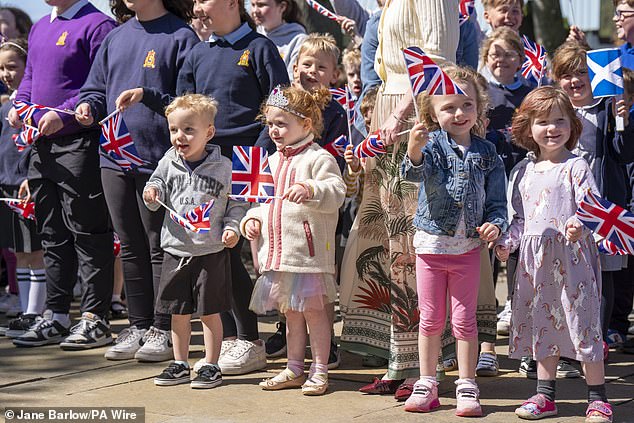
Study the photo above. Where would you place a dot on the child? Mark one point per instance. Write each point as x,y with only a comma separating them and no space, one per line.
196,274
556,299
18,233
605,149
623,18
297,258
461,204
351,61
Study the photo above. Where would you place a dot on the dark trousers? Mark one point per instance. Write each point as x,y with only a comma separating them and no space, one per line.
72,220
623,296
141,255
607,300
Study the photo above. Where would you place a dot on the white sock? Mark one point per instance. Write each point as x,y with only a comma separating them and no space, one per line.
63,319
116,297
37,292
23,275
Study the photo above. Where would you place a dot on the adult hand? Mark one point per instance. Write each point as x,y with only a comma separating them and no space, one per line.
83,114
128,98
389,129
50,123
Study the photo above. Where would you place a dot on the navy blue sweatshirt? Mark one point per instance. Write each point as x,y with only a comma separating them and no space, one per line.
12,168
139,54
335,125
239,75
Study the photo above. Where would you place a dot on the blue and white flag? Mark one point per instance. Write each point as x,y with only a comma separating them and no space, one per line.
605,72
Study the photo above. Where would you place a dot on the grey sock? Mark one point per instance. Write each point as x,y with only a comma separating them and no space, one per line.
597,393
547,388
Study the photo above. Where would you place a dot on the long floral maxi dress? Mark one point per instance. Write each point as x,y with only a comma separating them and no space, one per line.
556,303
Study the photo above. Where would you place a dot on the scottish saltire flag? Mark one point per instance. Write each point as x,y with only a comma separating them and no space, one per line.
26,210
372,146
608,220
117,143
322,10
196,220
606,247
26,109
27,136
535,60
339,95
466,8
605,72
251,178
426,75
337,147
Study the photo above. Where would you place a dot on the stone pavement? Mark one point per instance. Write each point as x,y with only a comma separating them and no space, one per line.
48,376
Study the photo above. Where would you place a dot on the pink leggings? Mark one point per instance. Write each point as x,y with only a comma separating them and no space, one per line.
457,275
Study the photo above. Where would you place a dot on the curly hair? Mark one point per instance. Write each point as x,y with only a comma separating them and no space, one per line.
308,103
463,76
539,103
200,104
183,9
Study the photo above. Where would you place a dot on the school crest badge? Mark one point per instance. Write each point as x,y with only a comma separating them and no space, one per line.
150,59
244,59
61,41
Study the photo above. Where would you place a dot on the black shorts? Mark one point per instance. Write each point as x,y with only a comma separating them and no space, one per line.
200,284
16,232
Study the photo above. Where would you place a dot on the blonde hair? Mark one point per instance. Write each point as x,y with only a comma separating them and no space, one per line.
320,43
569,59
200,104
369,100
351,57
463,76
308,103
540,102
506,35
492,4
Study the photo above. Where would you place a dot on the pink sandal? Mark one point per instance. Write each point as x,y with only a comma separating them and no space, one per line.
599,412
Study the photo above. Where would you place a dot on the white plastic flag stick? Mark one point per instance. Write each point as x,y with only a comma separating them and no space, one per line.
109,116
68,112
620,122
177,216
12,199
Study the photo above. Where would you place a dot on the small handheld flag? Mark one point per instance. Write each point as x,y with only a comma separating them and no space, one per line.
535,62
606,247
196,220
26,109
26,210
605,72
466,8
372,146
339,95
337,147
426,75
322,10
350,107
27,136
116,141
251,177
116,245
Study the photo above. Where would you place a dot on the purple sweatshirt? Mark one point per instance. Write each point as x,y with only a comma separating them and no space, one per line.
60,55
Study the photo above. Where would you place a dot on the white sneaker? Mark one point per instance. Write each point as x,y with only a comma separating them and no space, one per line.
243,357
156,346
504,320
10,304
224,347
126,345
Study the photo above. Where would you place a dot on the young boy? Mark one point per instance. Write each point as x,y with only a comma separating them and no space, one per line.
351,61
196,274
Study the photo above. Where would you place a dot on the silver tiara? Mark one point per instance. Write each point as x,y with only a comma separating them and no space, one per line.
278,99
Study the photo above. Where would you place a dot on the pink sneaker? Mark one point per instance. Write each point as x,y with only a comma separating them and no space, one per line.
599,412
424,397
467,399
536,407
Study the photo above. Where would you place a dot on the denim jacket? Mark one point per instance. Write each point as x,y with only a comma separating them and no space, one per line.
451,184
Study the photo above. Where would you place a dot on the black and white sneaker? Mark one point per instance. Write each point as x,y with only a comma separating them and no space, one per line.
91,332
174,374
18,327
44,331
528,367
209,376
566,370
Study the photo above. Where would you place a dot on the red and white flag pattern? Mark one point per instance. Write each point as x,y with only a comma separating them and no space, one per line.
426,75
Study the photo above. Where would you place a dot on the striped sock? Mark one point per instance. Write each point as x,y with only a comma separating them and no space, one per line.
37,293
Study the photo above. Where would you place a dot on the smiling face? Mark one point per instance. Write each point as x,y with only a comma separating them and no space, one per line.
503,61
577,86
285,128
456,113
624,21
267,13
551,132
509,15
217,16
11,68
189,133
315,70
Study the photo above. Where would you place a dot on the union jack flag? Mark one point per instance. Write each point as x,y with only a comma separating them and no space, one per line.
535,63
606,247
27,136
372,146
251,178
466,8
350,107
322,10
339,95
196,220
608,220
425,74
117,143
337,147
26,109
26,210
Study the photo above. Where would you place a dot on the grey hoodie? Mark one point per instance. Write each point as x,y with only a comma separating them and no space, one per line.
287,37
183,191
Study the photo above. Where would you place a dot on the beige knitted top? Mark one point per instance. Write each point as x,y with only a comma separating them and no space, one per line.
429,24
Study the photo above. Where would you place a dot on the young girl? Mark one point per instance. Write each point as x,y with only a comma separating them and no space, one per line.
556,299
461,203
297,258
146,50
18,233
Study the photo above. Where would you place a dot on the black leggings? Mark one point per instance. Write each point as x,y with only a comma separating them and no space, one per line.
607,300
623,296
141,255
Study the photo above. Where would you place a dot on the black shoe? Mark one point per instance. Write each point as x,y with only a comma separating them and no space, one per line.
118,310
91,332
333,358
44,331
276,344
628,346
209,376
18,327
567,370
528,367
174,374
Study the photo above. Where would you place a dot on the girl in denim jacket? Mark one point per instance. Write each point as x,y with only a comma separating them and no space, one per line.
461,203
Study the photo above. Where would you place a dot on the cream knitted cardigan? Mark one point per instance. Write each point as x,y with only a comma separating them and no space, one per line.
300,238
429,24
